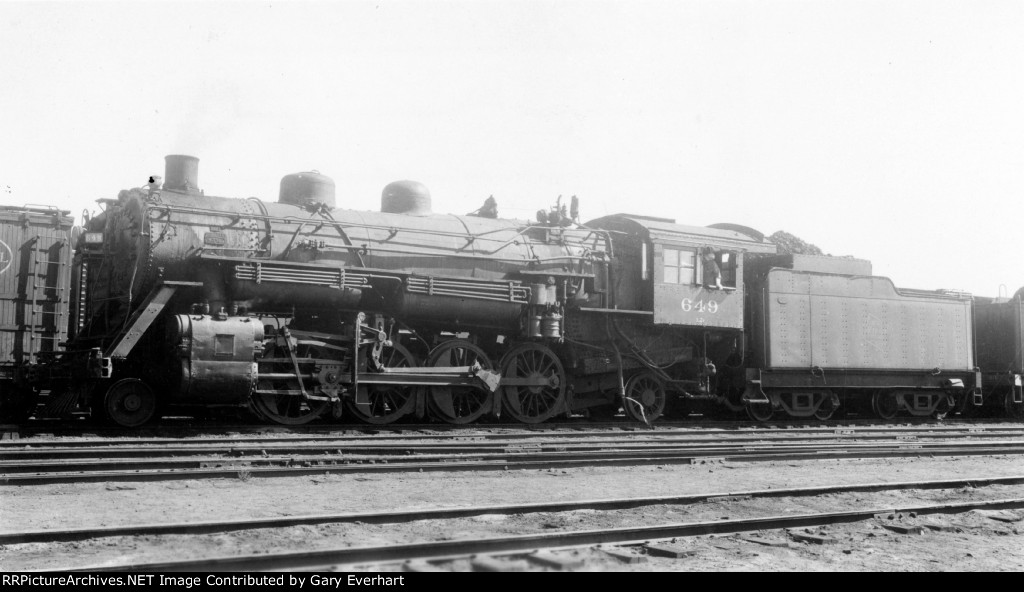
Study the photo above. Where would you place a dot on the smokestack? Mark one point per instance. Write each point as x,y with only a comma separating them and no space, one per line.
181,173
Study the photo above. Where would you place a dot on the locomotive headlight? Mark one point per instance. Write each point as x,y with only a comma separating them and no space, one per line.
93,238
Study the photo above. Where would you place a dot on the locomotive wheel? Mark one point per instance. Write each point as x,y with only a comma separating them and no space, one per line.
459,404
387,402
884,404
826,409
760,411
289,409
130,402
645,397
534,380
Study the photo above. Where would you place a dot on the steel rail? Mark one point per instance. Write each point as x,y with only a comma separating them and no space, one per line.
42,453
696,423
397,517
226,468
529,542
161,458
931,431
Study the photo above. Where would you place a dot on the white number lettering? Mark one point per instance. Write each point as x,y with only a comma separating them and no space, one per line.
700,306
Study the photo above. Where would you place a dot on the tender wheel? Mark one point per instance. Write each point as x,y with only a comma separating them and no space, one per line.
534,383
388,403
459,404
130,402
826,409
884,404
289,409
645,397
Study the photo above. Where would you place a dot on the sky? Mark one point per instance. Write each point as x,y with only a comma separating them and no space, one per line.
888,130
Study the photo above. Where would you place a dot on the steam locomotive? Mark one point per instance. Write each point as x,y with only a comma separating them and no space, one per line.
299,310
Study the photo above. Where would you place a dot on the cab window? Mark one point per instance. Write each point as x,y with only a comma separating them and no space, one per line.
722,263
679,266
727,263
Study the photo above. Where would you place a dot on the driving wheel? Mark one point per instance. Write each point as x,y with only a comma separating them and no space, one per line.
533,382
459,404
387,402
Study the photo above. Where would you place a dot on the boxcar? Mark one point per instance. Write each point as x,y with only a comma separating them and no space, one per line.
36,246
1000,330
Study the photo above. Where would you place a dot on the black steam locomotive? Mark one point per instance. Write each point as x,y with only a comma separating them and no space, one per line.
300,310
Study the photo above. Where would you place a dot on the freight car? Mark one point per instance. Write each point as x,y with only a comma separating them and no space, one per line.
1000,325
300,309
36,246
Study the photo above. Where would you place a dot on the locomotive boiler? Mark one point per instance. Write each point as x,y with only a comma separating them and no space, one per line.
272,303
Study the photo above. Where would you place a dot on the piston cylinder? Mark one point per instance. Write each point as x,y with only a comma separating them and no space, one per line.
216,357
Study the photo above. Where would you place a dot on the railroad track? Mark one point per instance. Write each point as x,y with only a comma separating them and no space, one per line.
163,459
491,551
192,427
121,448
510,433
409,459
223,526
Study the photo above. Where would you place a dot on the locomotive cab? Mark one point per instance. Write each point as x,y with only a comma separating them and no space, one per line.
674,314
684,275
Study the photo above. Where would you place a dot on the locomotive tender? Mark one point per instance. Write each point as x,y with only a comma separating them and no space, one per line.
300,309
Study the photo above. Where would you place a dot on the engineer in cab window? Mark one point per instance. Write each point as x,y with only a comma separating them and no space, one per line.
712,272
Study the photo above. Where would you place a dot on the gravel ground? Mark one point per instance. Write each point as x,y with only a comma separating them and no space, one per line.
968,541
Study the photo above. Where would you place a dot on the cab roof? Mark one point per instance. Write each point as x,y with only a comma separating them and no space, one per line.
666,230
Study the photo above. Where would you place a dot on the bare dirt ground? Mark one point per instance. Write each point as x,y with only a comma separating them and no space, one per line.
972,541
